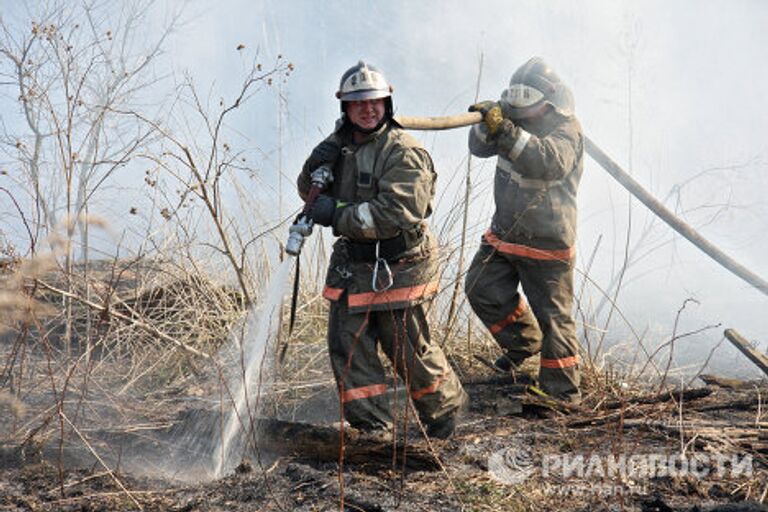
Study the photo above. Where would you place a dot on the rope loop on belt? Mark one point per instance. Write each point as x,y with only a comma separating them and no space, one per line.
381,263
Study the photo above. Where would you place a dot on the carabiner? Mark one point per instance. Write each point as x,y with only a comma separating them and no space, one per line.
381,262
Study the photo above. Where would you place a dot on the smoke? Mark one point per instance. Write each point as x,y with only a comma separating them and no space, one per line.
673,92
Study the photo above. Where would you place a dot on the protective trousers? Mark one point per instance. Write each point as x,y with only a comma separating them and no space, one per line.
403,334
543,325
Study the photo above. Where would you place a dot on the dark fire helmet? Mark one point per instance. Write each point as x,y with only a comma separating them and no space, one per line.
533,86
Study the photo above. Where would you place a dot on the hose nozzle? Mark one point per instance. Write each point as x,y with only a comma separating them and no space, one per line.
300,230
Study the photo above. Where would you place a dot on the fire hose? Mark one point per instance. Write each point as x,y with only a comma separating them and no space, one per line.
624,179
303,225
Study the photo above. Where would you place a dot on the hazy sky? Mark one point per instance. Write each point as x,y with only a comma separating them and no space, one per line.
680,83
672,90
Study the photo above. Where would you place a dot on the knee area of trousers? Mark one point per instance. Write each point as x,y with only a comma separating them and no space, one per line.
480,296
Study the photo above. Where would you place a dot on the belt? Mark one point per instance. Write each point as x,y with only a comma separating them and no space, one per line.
390,249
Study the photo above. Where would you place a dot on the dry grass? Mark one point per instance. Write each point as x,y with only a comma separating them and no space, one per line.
133,376
127,368
188,305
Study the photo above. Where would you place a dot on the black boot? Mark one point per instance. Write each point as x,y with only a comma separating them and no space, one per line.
508,364
443,427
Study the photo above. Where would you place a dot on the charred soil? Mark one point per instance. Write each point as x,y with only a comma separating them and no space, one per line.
132,425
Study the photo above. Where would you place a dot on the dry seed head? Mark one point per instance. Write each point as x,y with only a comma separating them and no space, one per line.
16,306
56,241
94,220
36,267
10,301
16,407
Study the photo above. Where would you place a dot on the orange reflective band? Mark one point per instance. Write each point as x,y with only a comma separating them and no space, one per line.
393,295
427,390
499,326
564,362
528,252
333,294
363,392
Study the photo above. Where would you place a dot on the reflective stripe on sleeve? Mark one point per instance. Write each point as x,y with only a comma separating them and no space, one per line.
363,392
563,362
520,143
509,320
366,220
528,252
393,295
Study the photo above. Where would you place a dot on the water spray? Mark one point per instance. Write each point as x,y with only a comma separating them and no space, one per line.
261,326
246,382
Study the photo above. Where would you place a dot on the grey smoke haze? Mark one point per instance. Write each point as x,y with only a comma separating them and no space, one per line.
673,91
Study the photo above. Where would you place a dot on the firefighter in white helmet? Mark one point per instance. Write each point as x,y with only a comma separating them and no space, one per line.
383,270
530,244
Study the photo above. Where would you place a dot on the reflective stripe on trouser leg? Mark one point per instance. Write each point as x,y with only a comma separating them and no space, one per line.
421,363
549,288
360,376
491,289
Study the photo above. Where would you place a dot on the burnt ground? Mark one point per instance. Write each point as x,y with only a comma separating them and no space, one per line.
134,428
495,461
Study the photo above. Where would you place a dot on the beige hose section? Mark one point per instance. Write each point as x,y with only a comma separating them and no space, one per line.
439,123
445,123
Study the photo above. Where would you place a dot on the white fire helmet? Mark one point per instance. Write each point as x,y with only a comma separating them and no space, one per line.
363,82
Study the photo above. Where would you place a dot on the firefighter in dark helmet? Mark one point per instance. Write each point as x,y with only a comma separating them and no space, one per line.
530,244
383,270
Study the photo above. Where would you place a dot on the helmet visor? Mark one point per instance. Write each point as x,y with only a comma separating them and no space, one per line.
365,84
521,96
370,94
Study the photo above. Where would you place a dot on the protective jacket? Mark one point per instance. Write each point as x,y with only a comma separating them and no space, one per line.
535,185
384,186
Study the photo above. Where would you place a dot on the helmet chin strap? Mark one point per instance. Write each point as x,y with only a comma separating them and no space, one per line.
368,131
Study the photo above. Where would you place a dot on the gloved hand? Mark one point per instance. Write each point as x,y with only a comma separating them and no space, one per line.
327,152
323,210
492,115
507,135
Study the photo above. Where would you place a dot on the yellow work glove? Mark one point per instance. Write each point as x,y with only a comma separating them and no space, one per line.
492,115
